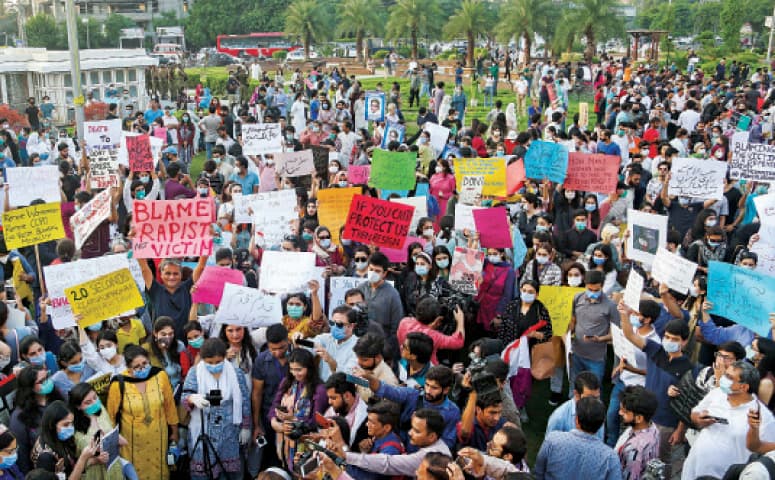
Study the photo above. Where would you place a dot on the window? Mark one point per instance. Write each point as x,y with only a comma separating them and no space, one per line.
132,75
119,76
94,78
68,80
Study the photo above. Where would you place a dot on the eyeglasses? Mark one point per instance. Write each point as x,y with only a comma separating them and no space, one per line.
140,368
728,358
338,324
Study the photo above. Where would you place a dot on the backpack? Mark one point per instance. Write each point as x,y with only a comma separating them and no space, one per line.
734,471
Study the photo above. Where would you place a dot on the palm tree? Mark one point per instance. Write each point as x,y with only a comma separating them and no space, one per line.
359,17
592,19
411,18
523,19
472,19
306,19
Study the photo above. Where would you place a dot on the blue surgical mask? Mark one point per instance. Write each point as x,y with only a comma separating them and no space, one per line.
581,225
95,328
590,207
66,433
442,263
671,346
145,179
494,258
598,260
342,183
306,236
46,387
94,408
725,384
541,228
9,461
325,242
346,242
635,321
140,195
78,367
217,368
713,244
143,374
338,333
295,311
528,297
38,359
593,295
421,270
196,342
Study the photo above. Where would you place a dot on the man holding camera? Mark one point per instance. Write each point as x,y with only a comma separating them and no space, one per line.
480,419
428,321
368,349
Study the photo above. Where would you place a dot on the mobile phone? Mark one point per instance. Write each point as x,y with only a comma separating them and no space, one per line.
322,421
309,466
97,441
720,420
357,380
305,343
261,441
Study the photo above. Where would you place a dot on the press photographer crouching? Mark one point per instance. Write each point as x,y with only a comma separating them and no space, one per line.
430,321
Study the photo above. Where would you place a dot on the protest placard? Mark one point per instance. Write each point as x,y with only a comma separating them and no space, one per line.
393,170
26,184
103,168
465,272
283,272
378,222
139,153
633,291
209,287
274,216
89,217
751,161
339,286
519,251
100,382
464,217
515,176
673,270
260,138
583,115
493,170
765,249
102,134
592,172
104,297
110,444
399,255
765,208
471,187
546,160
420,205
358,174
493,227
243,206
173,228
439,136
333,205
744,296
559,302
248,307
32,225
697,178
294,164
623,348
648,232
375,106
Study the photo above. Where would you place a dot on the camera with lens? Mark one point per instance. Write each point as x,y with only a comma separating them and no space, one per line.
362,319
298,430
448,301
214,397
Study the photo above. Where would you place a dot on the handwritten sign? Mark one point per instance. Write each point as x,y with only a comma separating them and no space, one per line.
100,383
493,170
623,348
471,189
358,174
559,302
32,183
546,160
333,205
285,272
260,138
439,136
751,161
89,217
104,297
515,176
209,287
103,168
697,178
741,295
339,286
274,216
243,205
294,164
591,172
102,134
493,227
139,153
673,270
173,228
32,225
374,221
765,249
633,291
248,307
648,232
420,205
465,273
765,208
464,217
393,170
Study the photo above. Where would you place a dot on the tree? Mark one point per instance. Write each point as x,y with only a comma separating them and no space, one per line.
208,19
359,17
731,19
307,20
473,18
411,18
44,31
114,23
523,19
593,19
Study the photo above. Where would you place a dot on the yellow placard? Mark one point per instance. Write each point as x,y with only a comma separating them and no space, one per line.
104,297
32,225
559,302
492,170
333,206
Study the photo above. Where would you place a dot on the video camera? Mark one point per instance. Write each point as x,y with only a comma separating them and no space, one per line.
214,397
448,301
362,319
299,429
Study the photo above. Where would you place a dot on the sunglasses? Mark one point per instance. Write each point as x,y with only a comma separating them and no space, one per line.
338,324
320,237
361,259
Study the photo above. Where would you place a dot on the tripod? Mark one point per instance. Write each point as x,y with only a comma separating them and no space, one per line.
207,446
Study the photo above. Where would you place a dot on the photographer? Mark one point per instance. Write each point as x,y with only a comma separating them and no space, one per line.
368,349
217,390
480,419
428,320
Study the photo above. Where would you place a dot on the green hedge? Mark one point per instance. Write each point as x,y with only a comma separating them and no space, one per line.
214,78
280,54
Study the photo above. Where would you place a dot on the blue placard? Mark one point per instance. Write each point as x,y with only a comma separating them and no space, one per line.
520,249
741,295
546,160
384,194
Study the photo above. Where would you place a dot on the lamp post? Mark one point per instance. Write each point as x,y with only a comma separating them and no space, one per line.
75,65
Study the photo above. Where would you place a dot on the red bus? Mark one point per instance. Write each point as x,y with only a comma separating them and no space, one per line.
254,44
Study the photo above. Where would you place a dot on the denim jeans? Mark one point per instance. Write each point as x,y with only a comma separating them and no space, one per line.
581,364
613,421
209,149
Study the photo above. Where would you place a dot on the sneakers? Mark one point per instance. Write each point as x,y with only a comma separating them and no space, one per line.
555,399
523,418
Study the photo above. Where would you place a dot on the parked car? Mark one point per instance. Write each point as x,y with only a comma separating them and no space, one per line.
222,59
298,55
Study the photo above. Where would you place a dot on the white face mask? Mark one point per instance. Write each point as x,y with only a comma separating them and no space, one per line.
570,195
108,353
574,281
332,169
374,277
439,169
4,362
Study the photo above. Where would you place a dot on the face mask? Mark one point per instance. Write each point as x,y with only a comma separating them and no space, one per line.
196,342
494,258
574,281
598,260
593,295
4,362
346,242
590,207
750,353
38,359
339,333
442,263
295,311
428,232
9,461
332,169
439,169
94,408
217,368
710,223
361,265
143,374
644,153
342,183
528,297
701,151
66,433
94,328
423,140
421,270
542,259
374,277
635,321
316,129
289,138
581,225
306,236
325,243
570,195
203,190
671,346
185,119
108,353
719,154
46,387
620,133
713,244
78,367
541,228
725,384
217,160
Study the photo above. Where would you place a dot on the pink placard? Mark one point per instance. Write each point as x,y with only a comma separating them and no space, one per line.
173,228
515,176
160,132
358,174
493,227
209,288
398,255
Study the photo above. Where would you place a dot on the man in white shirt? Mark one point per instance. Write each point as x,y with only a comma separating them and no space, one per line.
689,118
348,139
723,417
335,349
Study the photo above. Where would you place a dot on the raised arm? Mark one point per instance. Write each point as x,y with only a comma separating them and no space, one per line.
629,333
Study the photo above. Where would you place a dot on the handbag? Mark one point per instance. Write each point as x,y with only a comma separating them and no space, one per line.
542,360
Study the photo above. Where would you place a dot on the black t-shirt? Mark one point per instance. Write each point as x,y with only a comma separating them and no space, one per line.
733,196
32,116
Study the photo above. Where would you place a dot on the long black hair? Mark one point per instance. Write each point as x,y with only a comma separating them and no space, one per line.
307,360
247,342
172,350
76,398
55,413
27,398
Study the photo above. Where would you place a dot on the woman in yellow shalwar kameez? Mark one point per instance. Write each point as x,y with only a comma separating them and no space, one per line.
147,409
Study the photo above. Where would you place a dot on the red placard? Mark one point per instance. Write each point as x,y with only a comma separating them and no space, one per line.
592,172
515,176
139,152
378,222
